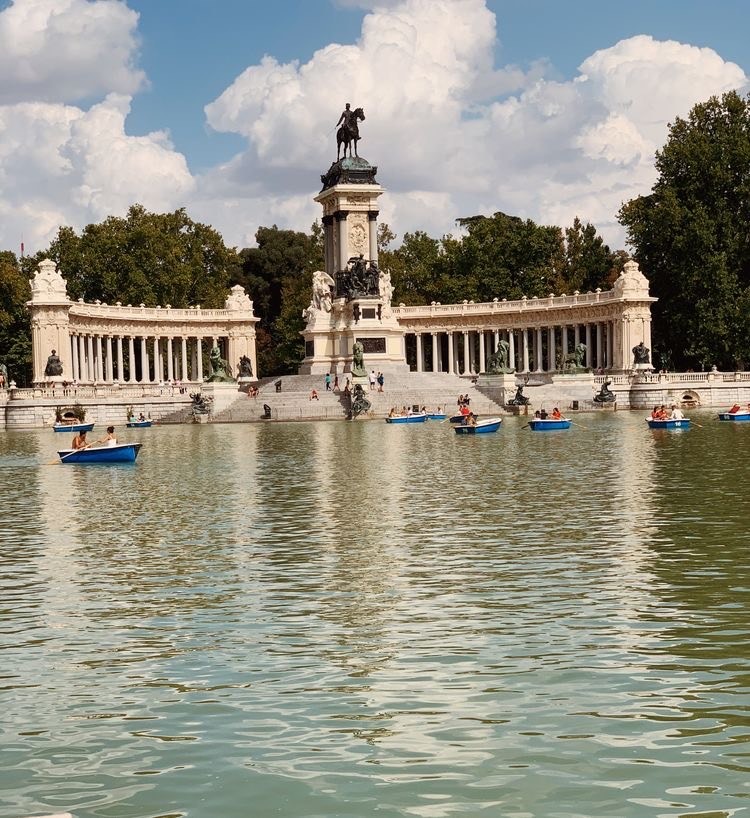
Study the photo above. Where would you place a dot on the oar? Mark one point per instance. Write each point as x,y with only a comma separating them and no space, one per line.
53,462
578,424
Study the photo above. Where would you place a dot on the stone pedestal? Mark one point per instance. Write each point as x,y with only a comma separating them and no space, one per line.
500,388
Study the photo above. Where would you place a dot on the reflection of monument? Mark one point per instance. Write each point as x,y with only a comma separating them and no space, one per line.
351,298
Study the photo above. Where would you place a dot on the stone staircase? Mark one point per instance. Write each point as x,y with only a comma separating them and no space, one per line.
430,389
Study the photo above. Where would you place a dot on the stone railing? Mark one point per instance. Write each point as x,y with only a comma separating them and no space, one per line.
168,313
134,390
500,306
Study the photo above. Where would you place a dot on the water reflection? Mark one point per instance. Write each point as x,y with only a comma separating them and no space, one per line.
331,618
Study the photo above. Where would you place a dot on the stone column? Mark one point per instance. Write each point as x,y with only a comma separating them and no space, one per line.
145,369
158,368
610,343
565,344
170,360
435,356
343,239
330,261
75,369
525,347
538,350
131,359
90,357
372,223
482,353
589,351
184,360
451,357
418,336
99,361
551,352
577,335
199,349
120,368
599,351
466,353
110,362
512,349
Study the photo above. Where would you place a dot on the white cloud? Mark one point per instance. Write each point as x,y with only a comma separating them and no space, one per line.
453,134
442,128
66,50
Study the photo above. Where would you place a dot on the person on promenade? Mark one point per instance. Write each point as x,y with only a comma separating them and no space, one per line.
79,441
328,381
373,379
335,383
381,381
314,395
109,439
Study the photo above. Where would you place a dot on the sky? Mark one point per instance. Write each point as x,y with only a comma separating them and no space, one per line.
543,109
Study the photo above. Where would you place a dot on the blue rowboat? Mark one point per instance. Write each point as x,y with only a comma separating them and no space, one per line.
418,417
668,423
73,427
548,424
482,427
436,416
461,418
736,417
139,424
120,453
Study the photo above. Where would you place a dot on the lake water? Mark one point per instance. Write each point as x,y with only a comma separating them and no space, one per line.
357,619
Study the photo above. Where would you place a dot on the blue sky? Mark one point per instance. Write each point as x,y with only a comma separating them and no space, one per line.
539,108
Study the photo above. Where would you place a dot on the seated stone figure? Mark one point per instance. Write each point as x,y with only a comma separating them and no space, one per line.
519,398
245,368
54,366
605,394
360,403
498,361
219,368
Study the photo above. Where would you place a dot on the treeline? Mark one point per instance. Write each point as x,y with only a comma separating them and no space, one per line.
690,236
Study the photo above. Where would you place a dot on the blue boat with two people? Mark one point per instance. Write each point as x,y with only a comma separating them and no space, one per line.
415,417
736,414
117,453
478,427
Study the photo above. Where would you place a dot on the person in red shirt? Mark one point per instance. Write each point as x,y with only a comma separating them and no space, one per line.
734,409
556,414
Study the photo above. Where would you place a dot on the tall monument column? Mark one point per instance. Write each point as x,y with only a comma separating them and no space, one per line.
50,325
351,297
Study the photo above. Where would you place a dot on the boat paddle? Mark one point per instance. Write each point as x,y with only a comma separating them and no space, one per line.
579,425
55,462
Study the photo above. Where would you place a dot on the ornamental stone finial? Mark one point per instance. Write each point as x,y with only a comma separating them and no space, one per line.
631,280
48,286
238,299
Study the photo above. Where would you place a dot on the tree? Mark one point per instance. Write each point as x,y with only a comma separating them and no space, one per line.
589,263
277,274
147,258
690,236
15,331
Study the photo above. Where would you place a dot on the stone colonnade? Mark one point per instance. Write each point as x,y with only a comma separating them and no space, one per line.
530,349
115,344
541,333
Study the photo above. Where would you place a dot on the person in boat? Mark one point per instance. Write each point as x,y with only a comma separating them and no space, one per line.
471,419
79,441
655,413
676,413
556,414
543,414
141,418
439,410
662,413
734,409
464,410
109,439
392,413
537,415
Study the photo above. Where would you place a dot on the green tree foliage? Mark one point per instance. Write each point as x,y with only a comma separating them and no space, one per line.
691,236
500,256
15,331
147,258
277,274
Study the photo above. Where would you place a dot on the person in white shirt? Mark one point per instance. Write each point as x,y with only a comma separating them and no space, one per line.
676,413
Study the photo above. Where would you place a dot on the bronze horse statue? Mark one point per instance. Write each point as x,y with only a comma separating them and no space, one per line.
347,134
